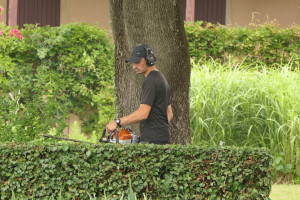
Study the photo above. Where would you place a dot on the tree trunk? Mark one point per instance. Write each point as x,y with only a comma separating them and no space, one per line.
160,24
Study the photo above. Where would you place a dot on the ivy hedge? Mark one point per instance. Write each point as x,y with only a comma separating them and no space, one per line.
267,43
48,73
161,172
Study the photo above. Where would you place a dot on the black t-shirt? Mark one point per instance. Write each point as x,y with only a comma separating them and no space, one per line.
156,92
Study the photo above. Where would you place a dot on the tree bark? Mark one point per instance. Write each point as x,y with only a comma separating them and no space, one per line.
158,23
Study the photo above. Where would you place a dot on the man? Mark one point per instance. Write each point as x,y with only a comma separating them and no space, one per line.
155,111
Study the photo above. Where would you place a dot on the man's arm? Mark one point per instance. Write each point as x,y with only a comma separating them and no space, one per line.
170,113
139,115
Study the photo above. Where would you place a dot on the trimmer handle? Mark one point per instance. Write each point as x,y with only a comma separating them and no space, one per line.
110,136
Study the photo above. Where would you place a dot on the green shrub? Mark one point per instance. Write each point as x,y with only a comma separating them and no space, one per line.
254,108
8,44
57,71
156,171
265,43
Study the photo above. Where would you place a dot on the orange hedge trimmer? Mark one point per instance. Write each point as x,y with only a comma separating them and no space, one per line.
123,136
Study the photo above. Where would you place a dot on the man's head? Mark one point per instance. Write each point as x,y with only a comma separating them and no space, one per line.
142,51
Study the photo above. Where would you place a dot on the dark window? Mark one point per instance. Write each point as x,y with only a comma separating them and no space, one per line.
41,12
210,11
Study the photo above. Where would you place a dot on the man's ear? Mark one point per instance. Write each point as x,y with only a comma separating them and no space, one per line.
144,60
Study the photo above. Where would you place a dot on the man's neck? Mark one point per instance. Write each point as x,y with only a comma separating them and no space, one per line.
150,69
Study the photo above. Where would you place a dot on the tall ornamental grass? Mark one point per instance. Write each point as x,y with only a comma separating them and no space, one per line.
239,106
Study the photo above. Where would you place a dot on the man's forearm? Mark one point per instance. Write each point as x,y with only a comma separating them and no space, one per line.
137,116
170,118
170,113
133,118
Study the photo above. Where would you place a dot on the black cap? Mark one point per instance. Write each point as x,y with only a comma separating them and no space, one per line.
138,52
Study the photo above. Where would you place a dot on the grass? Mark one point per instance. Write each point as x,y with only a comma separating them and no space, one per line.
248,107
285,192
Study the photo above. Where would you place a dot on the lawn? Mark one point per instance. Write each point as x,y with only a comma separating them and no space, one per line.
282,192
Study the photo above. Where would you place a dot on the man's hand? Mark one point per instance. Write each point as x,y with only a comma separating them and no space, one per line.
111,126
